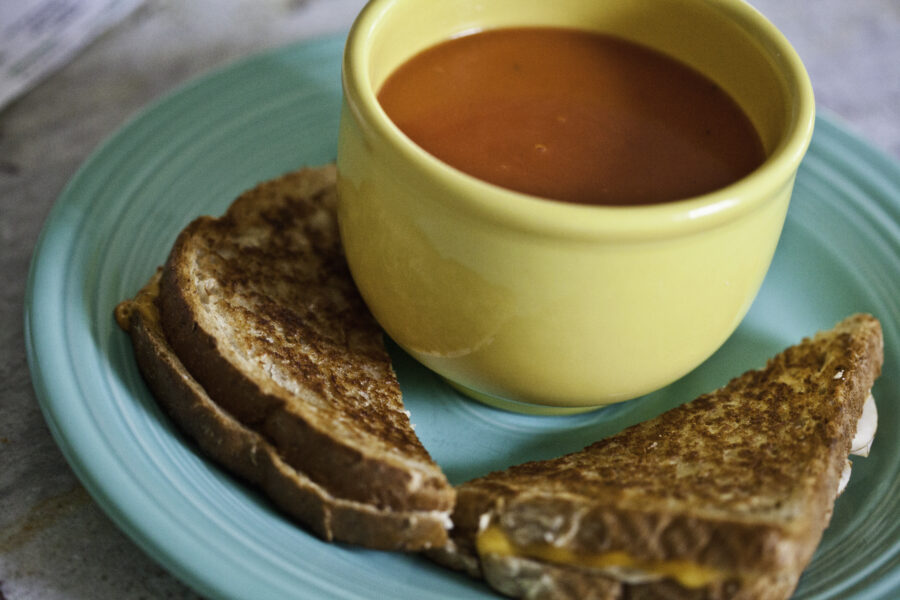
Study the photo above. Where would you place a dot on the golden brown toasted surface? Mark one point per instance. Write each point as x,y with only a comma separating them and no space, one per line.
742,479
248,455
771,430
274,267
260,307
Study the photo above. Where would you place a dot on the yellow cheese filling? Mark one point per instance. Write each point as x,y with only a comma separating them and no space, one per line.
688,574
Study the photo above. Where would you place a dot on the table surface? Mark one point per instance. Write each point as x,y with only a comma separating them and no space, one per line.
55,542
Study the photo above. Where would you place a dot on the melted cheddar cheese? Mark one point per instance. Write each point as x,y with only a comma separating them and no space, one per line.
688,574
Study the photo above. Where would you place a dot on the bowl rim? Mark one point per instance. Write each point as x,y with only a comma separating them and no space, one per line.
523,211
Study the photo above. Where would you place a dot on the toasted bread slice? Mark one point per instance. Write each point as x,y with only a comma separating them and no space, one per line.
259,309
724,497
248,455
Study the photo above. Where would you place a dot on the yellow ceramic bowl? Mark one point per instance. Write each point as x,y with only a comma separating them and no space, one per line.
544,306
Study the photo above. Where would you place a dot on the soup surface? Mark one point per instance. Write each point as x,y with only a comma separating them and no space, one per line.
572,115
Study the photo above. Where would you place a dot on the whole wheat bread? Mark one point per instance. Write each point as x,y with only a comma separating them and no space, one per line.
741,481
264,352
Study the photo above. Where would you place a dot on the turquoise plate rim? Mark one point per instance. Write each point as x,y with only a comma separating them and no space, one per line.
274,111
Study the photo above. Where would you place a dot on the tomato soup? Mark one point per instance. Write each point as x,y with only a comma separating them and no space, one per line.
572,115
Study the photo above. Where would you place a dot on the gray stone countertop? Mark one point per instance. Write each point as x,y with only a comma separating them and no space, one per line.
55,542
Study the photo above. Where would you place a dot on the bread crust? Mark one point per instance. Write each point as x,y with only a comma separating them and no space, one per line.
251,457
237,296
741,480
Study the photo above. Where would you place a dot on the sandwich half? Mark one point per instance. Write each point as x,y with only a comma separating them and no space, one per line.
254,339
723,497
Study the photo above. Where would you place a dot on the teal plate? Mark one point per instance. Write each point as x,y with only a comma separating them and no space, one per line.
195,150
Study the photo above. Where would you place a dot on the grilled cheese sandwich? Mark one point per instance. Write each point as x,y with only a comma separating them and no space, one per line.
254,339
723,497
